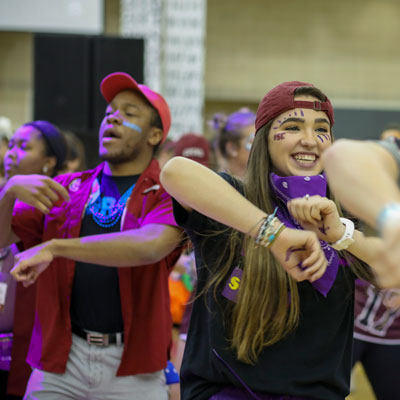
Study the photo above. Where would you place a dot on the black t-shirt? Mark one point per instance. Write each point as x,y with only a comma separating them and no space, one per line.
313,362
95,298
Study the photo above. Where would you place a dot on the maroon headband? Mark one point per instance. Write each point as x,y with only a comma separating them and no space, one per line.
281,99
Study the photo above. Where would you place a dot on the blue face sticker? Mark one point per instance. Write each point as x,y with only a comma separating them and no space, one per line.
132,126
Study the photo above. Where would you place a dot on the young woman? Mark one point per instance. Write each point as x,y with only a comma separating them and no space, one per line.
234,134
36,147
273,318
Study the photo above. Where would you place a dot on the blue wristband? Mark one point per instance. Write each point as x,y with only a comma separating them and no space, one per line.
388,212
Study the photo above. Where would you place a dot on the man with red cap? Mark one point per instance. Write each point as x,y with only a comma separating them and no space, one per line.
100,332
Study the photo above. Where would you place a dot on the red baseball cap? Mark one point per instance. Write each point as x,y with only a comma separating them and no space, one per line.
281,99
114,83
195,147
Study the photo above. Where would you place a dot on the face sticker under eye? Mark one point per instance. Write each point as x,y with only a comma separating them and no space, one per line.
132,126
279,136
323,136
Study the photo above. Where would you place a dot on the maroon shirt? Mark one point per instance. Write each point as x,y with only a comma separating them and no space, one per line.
144,290
373,321
24,312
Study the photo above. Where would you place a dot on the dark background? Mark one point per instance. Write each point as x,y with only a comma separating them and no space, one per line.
68,70
362,124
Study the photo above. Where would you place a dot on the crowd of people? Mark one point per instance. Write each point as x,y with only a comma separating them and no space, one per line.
230,256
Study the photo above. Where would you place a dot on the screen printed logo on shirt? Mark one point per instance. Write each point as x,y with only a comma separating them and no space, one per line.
375,318
232,286
74,185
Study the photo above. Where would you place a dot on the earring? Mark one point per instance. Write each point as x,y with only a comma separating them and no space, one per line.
45,169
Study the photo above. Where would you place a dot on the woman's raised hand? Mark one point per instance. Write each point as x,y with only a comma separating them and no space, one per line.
318,214
300,254
38,191
29,264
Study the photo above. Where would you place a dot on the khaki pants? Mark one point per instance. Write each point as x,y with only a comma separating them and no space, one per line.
91,375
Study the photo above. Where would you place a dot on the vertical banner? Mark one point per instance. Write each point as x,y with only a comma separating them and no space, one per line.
183,64
174,33
143,19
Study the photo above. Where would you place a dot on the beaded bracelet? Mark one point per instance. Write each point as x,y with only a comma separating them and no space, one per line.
261,231
272,216
282,226
269,238
265,225
267,232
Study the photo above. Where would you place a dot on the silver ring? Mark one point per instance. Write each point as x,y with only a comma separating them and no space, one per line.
307,196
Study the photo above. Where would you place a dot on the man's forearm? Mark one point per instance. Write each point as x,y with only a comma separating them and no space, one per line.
134,247
363,177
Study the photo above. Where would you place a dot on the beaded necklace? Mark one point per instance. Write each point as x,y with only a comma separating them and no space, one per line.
107,217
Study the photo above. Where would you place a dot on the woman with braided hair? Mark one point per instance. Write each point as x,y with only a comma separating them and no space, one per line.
273,316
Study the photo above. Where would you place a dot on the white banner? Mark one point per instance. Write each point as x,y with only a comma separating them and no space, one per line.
174,32
142,19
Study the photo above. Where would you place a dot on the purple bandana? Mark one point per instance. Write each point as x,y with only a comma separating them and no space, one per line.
290,187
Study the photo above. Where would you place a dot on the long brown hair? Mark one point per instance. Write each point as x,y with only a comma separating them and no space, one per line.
268,305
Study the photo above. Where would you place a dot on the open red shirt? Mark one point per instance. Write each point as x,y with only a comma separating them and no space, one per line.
144,289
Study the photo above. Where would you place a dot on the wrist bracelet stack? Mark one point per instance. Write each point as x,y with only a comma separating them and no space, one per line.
268,231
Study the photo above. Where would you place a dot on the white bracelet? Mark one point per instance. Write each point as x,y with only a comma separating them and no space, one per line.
347,239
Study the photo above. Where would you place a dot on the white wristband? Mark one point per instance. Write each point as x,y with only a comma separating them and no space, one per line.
347,239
